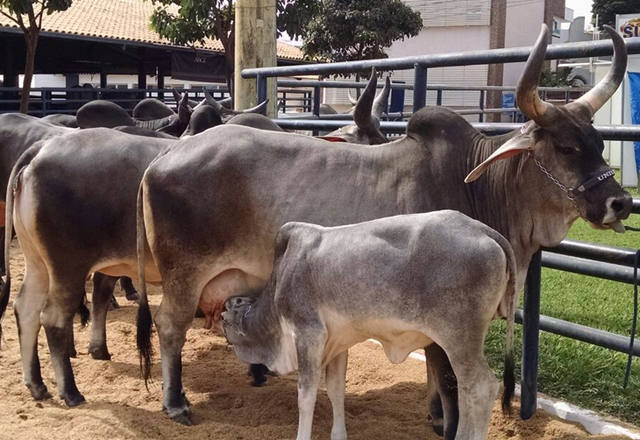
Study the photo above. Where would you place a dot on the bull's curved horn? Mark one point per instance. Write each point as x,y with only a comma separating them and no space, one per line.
381,102
527,91
176,95
352,100
260,108
598,95
362,112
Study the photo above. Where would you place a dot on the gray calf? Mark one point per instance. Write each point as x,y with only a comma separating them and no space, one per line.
407,281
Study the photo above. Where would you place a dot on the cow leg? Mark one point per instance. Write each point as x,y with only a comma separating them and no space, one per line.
173,319
57,315
27,307
309,347
2,262
477,389
130,292
442,392
336,377
71,346
103,286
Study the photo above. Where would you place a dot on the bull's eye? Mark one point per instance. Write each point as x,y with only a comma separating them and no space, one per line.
565,150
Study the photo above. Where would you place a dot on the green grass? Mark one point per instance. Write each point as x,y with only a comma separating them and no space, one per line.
574,371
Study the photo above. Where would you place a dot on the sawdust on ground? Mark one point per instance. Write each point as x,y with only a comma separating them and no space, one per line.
383,400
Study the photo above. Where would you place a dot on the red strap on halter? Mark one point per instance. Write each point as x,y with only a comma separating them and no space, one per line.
331,138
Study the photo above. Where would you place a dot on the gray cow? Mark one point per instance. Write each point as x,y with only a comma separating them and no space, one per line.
235,187
406,281
68,228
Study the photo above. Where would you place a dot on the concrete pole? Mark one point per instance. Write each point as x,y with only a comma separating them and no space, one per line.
255,46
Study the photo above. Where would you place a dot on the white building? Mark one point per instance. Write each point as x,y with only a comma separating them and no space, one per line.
467,25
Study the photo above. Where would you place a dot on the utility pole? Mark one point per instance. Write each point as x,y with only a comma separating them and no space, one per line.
255,46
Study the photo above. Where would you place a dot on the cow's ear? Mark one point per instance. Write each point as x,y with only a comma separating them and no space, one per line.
516,145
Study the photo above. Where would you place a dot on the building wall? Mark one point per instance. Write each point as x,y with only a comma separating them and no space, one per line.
522,29
449,26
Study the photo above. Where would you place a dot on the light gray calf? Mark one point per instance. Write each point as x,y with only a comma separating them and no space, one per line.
407,281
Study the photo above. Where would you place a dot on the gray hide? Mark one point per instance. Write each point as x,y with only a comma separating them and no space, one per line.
62,120
222,241
151,108
405,281
102,113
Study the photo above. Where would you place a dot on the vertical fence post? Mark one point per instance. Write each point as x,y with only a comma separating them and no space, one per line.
261,86
530,333
316,105
481,114
439,97
419,87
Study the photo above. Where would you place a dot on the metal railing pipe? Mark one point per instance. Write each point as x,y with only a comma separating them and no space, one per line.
608,132
594,251
580,332
584,266
492,56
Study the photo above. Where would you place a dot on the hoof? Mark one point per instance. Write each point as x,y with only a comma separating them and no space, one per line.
113,303
132,296
438,427
73,401
258,372
182,416
39,392
100,353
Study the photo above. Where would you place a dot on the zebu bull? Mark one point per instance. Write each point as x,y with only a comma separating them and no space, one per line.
235,187
406,281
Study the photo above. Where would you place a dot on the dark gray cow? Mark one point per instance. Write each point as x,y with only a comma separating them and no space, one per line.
101,113
367,113
210,113
95,232
235,187
406,281
17,133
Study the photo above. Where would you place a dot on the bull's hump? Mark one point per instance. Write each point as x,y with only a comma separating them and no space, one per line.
435,122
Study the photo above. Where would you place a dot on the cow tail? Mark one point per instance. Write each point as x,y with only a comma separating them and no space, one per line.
144,313
508,376
24,160
84,312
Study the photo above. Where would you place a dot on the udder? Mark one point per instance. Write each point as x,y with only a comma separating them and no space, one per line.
229,283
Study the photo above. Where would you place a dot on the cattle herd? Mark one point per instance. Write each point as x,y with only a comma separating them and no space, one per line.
296,247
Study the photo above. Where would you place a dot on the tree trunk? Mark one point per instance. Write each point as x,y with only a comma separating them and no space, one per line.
31,40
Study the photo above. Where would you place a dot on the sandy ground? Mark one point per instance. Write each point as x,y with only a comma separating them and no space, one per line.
383,400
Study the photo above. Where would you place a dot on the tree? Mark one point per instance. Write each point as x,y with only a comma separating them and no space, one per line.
27,14
196,20
347,30
606,10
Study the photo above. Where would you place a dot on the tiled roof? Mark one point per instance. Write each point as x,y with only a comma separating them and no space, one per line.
126,20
